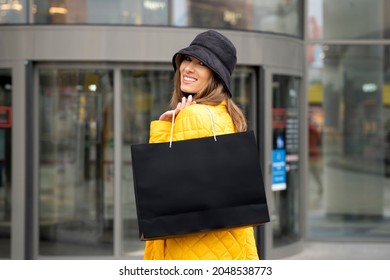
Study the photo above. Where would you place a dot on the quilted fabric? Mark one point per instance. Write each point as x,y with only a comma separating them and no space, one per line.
233,244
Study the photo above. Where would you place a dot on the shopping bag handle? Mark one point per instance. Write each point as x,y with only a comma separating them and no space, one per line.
173,123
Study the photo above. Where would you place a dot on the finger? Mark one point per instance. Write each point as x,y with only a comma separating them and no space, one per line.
189,100
179,106
177,109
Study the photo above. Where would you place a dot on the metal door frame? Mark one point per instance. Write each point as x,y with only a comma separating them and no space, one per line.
265,106
18,166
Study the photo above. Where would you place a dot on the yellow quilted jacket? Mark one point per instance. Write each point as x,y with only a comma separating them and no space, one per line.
233,244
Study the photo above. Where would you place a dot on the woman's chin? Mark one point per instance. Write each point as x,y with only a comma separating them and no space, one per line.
187,90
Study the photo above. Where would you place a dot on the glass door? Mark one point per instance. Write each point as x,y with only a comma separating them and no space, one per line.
5,162
75,162
286,181
282,104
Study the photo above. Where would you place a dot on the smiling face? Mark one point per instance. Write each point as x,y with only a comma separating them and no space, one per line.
194,75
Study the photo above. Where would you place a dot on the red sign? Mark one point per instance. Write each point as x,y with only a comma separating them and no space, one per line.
5,117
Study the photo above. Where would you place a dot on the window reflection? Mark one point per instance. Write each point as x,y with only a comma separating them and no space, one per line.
137,12
279,16
272,16
282,16
76,162
349,105
220,14
13,11
328,19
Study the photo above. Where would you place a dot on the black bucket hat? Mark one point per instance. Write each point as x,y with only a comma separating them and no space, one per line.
216,51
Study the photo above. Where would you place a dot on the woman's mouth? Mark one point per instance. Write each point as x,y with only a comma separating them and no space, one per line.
187,79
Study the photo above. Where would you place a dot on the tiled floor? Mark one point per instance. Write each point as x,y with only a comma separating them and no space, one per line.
343,251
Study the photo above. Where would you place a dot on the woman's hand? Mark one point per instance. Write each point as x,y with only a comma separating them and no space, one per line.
167,116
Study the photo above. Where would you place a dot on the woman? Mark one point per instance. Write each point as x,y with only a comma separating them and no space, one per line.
202,79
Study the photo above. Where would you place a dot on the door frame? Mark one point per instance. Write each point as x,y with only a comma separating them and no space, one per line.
18,165
270,252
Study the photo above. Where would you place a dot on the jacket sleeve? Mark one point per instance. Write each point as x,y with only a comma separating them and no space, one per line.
159,131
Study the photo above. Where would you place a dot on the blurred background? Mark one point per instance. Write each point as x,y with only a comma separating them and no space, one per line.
80,81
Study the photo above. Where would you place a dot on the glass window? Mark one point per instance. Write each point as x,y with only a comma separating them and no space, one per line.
136,12
272,16
13,11
281,16
349,137
354,19
76,185
145,95
285,160
278,16
5,162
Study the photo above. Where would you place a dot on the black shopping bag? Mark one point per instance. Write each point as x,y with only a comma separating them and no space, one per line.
198,185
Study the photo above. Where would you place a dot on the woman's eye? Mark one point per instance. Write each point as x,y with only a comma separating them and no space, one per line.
201,63
187,58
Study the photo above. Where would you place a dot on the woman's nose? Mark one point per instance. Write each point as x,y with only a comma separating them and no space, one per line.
189,67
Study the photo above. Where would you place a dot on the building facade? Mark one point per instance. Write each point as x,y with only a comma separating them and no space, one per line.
80,82
349,120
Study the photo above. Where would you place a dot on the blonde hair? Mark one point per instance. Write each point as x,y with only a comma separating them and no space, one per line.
212,94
